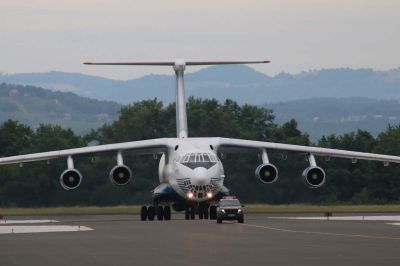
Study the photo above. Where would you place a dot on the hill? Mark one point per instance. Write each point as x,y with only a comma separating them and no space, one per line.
316,116
33,106
325,116
240,83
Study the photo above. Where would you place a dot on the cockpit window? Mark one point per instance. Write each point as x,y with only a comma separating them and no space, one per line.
194,160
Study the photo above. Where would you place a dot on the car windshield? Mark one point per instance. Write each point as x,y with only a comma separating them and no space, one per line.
230,202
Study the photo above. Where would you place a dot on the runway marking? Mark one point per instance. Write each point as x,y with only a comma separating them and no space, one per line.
320,233
395,218
27,221
22,229
395,224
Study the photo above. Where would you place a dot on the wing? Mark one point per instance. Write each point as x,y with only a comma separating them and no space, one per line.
226,145
152,146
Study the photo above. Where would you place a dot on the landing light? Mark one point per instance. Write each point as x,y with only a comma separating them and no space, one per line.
209,195
190,195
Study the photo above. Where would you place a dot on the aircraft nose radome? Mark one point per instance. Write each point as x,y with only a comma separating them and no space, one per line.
200,176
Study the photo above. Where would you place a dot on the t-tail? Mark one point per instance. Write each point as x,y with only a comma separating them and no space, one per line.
179,66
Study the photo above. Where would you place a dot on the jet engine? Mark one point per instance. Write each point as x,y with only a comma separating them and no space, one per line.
70,179
120,175
267,173
314,176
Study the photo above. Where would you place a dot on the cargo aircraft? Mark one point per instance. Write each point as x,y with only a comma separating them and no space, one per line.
190,172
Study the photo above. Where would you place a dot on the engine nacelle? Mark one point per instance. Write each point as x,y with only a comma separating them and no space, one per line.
70,179
314,176
267,173
120,175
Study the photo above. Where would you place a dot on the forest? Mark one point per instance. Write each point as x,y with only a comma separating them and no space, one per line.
37,184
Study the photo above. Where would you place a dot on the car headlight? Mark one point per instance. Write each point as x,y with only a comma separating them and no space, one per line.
240,210
223,210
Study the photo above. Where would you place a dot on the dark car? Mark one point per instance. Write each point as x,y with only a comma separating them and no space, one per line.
230,208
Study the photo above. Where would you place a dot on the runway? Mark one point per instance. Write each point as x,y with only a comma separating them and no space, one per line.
263,239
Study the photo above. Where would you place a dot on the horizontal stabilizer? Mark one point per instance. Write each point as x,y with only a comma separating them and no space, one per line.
177,62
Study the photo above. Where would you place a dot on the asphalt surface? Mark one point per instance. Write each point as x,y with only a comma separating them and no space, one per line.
261,240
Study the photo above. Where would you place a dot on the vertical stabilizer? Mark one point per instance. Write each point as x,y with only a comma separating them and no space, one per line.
179,66
181,116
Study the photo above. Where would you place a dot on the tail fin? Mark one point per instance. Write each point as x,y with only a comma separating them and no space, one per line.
179,67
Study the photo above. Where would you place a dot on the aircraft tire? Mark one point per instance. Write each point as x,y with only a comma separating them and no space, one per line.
206,213
150,213
187,213
213,212
167,213
160,213
143,213
192,212
201,212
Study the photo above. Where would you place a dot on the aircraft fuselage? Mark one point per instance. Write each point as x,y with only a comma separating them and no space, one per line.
193,169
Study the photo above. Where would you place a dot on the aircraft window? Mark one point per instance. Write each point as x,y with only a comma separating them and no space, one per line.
213,158
194,160
186,158
198,158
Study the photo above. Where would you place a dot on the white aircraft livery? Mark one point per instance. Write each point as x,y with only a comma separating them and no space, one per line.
191,174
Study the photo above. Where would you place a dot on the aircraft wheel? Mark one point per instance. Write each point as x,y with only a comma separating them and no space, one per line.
167,213
160,213
143,213
150,213
193,212
187,213
213,212
205,212
201,212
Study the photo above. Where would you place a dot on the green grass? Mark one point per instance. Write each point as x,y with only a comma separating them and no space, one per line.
250,208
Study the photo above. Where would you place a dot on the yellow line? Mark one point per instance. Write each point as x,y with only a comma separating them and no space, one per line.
319,233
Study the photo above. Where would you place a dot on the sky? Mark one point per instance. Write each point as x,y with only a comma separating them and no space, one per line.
296,35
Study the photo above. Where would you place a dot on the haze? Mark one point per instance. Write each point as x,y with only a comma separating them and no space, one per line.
296,35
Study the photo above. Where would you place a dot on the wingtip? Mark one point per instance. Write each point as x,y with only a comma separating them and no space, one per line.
87,63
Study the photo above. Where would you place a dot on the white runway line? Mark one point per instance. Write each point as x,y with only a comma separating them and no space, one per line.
394,218
21,229
27,221
395,224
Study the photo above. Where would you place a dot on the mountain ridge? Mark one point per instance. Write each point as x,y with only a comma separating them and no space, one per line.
240,83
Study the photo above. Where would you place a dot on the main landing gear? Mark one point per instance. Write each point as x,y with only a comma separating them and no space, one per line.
159,212
204,211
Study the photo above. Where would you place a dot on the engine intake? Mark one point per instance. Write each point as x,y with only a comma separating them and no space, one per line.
267,173
120,175
70,179
314,176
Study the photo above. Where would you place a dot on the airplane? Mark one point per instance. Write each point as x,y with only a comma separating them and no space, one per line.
191,173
